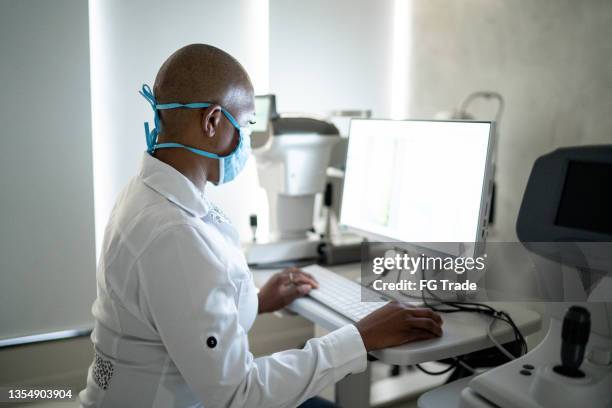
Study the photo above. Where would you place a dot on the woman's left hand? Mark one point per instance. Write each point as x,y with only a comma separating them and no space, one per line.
283,288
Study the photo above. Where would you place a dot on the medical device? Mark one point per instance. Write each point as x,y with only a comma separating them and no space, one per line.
418,181
567,203
292,155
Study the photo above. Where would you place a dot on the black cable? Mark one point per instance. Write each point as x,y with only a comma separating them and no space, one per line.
470,307
487,310
444,371
473,307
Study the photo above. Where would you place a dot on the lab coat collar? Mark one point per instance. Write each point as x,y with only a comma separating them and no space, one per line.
173,185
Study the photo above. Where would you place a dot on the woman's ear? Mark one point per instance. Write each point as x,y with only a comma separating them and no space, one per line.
211,119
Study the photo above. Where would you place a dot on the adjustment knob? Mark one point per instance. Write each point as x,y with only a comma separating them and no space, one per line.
574,337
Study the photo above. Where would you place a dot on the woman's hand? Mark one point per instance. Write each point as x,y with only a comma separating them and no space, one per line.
395,324
283,288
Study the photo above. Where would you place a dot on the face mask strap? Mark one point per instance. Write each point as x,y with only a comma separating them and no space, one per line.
196,105
242,131
191,149
151,135
231,119
183,105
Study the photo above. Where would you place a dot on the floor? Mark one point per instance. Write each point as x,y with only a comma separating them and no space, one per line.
73,404
405,389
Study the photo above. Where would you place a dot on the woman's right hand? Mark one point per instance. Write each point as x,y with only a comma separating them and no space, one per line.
396,323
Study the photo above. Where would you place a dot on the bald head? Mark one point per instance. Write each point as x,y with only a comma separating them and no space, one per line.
200,73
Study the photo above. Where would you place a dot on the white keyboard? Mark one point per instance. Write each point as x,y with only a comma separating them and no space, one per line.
341,294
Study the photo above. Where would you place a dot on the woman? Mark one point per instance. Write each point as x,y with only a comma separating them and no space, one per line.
175,295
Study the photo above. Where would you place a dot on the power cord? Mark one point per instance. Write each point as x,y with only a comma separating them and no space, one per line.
444,371
457,362
471,307
474,307
496,343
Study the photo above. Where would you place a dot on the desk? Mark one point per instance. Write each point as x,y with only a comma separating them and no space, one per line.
462,333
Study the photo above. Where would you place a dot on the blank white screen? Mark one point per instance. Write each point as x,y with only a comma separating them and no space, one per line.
262,113
415,181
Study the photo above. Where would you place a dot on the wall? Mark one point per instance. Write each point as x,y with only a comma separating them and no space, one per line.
47,258
550,59
61,363
327,55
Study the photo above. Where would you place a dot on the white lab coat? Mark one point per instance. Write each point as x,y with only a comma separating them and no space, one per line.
175,302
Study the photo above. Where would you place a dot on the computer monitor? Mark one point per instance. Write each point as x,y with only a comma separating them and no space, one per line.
418,181
265,112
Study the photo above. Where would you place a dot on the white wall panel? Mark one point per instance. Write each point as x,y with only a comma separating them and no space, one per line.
47,257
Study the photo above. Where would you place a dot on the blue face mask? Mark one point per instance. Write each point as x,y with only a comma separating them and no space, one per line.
229,166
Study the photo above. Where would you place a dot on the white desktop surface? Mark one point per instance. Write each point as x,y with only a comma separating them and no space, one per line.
462,332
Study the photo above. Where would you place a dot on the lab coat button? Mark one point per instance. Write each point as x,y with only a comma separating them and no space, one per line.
211,342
